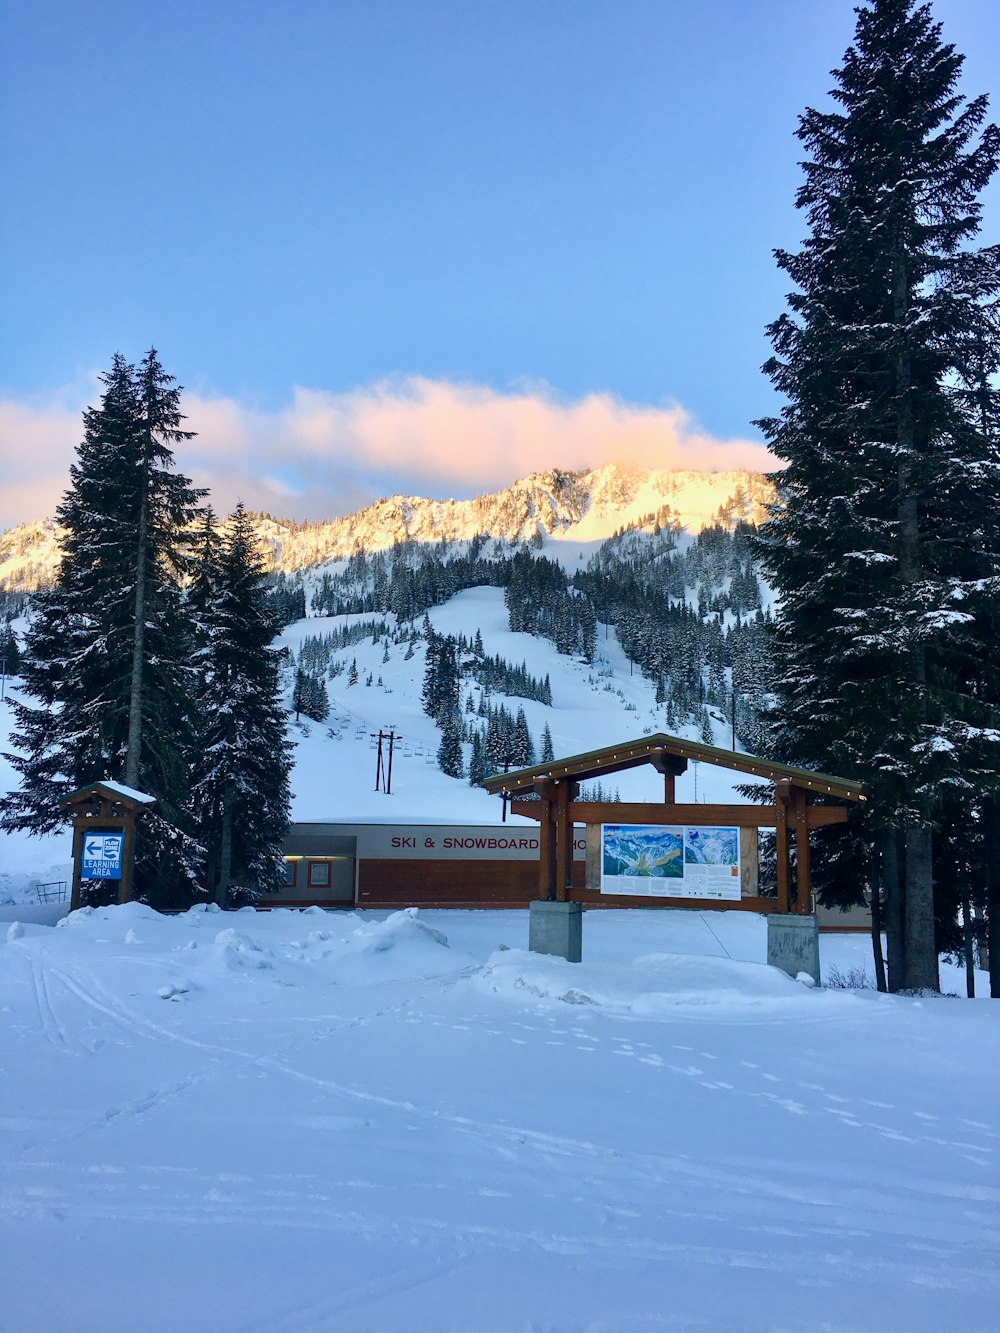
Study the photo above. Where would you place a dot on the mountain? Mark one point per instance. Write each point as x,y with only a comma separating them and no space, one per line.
562,507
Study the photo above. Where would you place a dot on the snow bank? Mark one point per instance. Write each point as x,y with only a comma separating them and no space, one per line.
655,985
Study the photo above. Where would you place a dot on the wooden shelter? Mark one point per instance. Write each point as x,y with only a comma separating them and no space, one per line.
549,793
98,808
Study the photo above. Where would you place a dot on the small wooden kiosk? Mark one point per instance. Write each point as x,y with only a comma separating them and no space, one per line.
549,793
104,812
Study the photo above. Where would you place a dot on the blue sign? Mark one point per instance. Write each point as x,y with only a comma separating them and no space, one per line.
102,855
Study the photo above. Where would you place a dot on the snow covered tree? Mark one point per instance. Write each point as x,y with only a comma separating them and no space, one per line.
441,693
240,783
107,670
548,753
449,756
885,548
309,696
524,748
10,652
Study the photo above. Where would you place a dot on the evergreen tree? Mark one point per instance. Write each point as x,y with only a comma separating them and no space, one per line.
884,552
108,670
442,685
241,774
10,653
524,749
478,767
309,696
548,754
449,755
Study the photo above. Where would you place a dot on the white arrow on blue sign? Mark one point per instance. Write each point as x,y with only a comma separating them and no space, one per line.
102,856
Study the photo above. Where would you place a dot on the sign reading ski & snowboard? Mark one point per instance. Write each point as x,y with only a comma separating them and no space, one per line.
102,856
658,861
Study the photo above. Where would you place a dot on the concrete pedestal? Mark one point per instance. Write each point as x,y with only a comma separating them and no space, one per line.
556,928
793,944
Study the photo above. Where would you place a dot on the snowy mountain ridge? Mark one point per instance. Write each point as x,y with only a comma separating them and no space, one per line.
586,506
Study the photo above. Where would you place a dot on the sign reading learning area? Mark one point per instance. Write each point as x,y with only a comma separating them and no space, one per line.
102,856
656,861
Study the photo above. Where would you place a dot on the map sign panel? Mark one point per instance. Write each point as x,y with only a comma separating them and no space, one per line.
102,856
654,861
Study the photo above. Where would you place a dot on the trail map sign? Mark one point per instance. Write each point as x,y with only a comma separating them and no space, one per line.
102,856
660,861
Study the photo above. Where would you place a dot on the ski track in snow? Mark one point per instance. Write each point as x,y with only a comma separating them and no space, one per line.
416,1111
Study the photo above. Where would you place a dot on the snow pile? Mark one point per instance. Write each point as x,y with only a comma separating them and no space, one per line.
404,928
659,985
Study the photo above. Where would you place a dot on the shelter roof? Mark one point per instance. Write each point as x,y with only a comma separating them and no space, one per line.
653,749
110,791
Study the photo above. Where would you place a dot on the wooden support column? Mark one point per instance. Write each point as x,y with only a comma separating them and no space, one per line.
564,839
126,890
804,895
74,898
544,810
782,800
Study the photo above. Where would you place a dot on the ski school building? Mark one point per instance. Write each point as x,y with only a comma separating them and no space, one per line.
597,853
407,865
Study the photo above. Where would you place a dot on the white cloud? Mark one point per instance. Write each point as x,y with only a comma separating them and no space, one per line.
329,453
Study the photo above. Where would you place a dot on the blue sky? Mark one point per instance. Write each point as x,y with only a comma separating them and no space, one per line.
573,201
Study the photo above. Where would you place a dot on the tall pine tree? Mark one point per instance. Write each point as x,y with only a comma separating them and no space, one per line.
885,550
241,774
107,669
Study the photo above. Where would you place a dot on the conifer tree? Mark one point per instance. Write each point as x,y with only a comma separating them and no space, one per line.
449,755
108,670
241,775
884,551
548,753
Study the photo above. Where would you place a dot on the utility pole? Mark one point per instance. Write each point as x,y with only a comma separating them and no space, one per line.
732,713
378,764
383,767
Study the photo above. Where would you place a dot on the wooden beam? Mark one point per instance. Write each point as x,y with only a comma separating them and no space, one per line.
628,812
818,816
726,816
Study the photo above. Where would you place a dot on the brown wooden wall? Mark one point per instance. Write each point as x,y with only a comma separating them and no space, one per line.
451,883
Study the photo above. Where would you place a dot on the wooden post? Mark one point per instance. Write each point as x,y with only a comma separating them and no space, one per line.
564,841
781,801
804,903
74,899
125,890
547,851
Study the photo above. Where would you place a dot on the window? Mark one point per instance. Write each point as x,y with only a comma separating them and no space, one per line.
289,874
320,874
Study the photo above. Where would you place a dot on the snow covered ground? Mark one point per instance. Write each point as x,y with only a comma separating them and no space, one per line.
308,1120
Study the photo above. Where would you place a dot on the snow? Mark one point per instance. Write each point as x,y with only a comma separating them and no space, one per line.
142,797
363,1121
